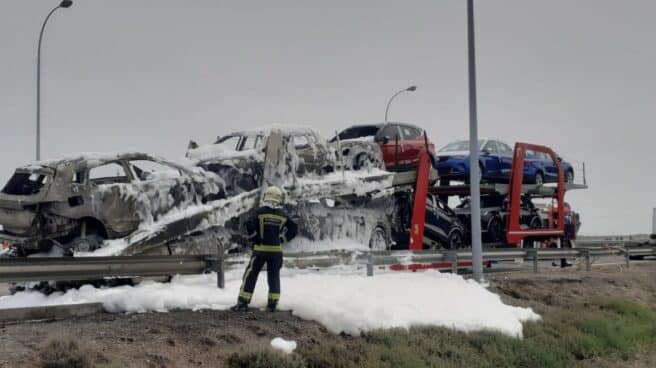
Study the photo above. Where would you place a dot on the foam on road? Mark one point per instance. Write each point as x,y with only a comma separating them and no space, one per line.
342,302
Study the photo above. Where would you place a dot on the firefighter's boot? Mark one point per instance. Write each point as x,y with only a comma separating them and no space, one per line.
240,307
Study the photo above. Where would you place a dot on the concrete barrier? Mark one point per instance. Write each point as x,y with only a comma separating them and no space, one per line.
51,312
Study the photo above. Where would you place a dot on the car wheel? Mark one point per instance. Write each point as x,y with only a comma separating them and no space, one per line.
88,243
569,176
495,230
539,179
536,223
379,239
455,240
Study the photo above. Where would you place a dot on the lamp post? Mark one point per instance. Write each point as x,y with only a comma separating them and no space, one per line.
64,4
409,89
474,179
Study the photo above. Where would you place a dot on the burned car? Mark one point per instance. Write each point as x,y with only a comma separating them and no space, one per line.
239,157
76,203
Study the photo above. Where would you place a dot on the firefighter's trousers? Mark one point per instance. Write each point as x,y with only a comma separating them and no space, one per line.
273,261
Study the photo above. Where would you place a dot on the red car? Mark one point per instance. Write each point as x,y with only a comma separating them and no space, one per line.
400,143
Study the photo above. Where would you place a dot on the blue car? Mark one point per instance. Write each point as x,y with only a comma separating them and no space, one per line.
495,163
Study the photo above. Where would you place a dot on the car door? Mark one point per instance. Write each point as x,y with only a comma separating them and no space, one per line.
304,147
448,218
409,155
549,167
160,187
113,197
434,232
388,137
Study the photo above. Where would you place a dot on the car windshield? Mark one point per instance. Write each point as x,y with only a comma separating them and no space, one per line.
228,143
357,132
460,146
252,142
26,183
149,170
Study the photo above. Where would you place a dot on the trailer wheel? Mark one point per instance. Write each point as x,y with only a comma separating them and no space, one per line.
379,239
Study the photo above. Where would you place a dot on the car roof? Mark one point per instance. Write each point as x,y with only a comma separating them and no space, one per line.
484,140
285,129
90,159
356,126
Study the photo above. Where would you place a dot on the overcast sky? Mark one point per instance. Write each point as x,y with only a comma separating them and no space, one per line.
149,75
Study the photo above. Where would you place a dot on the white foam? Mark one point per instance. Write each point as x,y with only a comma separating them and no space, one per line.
339,300
283,345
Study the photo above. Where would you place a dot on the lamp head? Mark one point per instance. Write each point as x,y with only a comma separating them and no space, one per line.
65,4
411,88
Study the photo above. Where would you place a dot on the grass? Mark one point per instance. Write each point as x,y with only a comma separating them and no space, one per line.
63,353
609,329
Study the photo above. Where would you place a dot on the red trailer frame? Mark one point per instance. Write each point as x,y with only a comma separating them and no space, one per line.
419,206
515,234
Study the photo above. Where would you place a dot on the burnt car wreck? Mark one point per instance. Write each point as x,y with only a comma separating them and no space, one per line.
239,157
76,203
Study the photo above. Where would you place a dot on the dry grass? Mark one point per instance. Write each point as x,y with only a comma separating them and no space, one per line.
608,329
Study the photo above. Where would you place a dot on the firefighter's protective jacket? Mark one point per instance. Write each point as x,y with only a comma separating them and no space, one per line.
268,228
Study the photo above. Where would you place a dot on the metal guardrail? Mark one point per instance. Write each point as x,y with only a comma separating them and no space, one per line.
92,268
613,240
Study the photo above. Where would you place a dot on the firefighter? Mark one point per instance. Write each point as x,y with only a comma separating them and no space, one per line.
267,229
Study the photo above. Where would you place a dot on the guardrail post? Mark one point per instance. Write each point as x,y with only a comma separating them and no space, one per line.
218,265
627,256
453,257
370,264
534,256
588,264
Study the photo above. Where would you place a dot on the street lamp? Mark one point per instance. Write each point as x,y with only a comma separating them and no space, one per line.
63,4
409,89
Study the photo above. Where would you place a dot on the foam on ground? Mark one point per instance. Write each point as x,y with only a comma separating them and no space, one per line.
350,303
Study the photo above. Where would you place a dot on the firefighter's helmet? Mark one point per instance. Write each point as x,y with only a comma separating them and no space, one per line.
272,196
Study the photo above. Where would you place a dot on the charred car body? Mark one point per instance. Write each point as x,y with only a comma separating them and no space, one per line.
239,157
383,222
76,203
